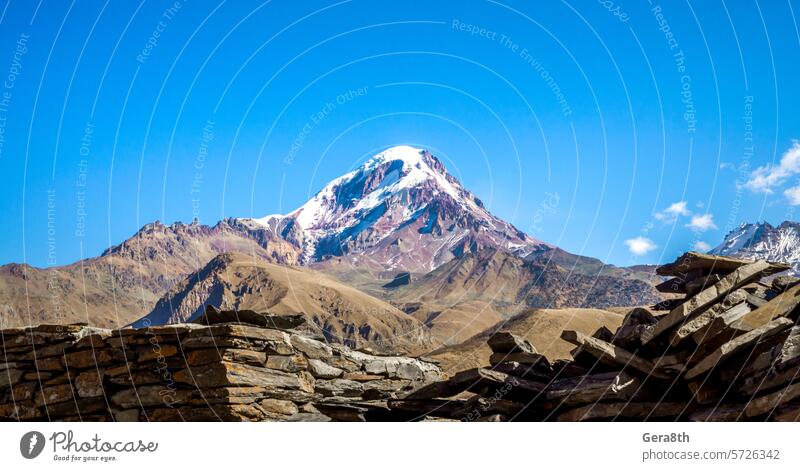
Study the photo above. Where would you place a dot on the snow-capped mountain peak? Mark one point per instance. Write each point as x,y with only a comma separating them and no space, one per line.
762,241
400,204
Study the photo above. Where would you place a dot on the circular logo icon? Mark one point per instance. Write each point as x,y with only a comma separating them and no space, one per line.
31,445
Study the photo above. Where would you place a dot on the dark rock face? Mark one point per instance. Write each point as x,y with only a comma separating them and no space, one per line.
401,279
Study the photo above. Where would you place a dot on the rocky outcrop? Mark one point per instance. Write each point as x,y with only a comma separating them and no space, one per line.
727,351
229,371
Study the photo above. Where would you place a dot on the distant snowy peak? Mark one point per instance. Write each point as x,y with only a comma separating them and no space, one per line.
399,204
391,173
762,241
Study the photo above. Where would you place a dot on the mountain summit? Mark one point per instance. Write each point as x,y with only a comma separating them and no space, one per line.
401,210
399,216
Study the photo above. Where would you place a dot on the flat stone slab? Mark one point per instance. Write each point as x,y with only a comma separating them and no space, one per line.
213,316
729,348
610,353
708,263
506,342
704,299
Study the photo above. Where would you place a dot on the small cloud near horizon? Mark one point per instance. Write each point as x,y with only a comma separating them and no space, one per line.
702,222
701,246
640,245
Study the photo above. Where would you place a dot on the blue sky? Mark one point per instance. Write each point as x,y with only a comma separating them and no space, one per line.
581,123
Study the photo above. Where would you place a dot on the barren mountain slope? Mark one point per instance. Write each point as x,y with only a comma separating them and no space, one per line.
542,327
339,312
122,284
453,324
510,284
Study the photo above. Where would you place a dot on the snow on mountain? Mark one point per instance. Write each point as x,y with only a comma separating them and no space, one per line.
399,210
763,241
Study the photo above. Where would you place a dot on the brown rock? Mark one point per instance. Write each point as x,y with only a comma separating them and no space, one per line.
148,396
718,413
787,413
156,351
521,357
213,355
700,283
232,374
287,363
339,387
779,306
276,341
613,410
20,411
592,388
213,315
130,415
23,392
94,358
277,406
312,348
54,394
49,364
782,283
770,402
507,342
10,377
633,325
691,261
732,346
740,277
611,354
361,376
89,384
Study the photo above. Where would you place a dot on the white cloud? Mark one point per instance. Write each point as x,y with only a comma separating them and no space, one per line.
702,222
726,165
793,195
701,246
670,215
640,245
765,179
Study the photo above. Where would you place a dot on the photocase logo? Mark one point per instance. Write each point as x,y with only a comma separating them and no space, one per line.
31,445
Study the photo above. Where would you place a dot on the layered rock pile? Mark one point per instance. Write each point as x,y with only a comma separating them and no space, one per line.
247,367
727,349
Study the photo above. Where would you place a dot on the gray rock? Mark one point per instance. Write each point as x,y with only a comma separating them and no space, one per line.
339,387
312,348
320,369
